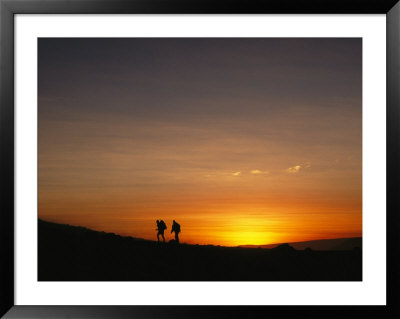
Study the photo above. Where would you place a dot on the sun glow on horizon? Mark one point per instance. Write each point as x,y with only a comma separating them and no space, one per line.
229,228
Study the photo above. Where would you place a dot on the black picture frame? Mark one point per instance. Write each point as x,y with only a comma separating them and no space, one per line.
9,8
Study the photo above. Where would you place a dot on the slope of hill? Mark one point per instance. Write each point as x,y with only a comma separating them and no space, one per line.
322,244
68,253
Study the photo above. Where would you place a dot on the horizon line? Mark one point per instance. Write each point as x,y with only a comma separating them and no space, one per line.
151,240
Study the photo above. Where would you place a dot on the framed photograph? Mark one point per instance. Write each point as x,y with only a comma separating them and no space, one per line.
167,159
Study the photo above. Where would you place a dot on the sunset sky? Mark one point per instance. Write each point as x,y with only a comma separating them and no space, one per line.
242,141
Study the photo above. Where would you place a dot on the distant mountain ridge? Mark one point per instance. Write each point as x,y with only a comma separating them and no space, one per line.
322,244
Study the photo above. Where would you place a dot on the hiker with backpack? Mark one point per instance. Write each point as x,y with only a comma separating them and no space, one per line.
160,228
177,229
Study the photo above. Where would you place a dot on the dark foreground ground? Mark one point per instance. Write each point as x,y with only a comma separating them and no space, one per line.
68,253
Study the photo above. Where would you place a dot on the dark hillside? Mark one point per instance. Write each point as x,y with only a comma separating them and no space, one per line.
68,253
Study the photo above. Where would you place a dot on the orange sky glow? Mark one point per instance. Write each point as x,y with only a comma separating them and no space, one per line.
254,145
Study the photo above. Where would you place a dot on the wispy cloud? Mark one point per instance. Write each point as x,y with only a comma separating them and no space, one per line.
258,172
294,169
236,173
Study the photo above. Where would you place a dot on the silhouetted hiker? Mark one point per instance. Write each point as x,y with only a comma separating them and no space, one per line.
160,228
177,229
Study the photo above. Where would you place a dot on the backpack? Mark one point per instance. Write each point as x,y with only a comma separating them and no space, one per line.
163,226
